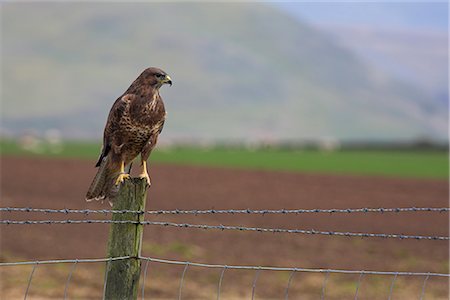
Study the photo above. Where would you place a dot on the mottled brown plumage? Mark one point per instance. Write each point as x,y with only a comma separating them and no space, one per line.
134,123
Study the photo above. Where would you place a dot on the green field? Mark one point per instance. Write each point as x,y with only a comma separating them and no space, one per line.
416,164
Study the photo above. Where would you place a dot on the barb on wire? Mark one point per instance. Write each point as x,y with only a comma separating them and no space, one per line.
231,211
226,227
228,267
299,211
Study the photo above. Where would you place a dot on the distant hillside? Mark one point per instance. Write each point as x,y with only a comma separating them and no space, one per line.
240,71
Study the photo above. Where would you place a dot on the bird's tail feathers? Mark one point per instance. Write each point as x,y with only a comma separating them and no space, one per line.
103,185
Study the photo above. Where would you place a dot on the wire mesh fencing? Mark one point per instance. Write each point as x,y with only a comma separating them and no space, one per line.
257,270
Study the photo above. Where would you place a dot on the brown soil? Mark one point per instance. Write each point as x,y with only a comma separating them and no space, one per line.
47,183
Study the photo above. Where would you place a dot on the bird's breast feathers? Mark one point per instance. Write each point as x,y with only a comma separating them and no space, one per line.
144,116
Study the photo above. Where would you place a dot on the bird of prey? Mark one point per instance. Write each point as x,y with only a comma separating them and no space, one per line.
134,123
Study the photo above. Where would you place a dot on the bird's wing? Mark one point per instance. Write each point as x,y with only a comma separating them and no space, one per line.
113,123
161,127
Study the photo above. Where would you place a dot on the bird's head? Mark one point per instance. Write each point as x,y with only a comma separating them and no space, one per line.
156,77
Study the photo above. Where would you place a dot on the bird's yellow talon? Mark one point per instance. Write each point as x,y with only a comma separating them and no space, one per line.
122,175
145,175
121,178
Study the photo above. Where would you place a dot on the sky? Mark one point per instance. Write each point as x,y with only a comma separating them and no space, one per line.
425,15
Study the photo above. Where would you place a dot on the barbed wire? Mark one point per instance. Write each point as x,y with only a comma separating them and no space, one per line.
227,227
228,267
231,211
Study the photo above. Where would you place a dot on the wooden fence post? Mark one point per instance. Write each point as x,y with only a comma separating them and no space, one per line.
122,276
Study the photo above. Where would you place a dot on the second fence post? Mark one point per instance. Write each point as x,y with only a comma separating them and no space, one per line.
122,279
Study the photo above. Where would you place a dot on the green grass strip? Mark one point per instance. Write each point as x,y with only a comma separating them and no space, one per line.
404,163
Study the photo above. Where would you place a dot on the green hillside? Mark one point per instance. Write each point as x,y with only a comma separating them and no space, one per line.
240,71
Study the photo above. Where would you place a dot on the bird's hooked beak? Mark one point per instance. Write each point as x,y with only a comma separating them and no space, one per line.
167,80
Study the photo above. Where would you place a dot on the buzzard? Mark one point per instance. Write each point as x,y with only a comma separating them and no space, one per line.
134,123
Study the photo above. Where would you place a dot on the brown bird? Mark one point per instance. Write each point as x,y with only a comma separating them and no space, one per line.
134,123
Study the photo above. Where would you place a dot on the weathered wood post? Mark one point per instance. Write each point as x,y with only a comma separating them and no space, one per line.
122,279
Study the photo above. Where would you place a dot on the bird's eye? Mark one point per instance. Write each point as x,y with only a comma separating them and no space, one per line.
159,75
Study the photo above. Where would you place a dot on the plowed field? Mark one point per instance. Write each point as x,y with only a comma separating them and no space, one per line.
62,183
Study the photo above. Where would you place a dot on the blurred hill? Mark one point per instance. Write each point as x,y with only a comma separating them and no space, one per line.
407,39
240,71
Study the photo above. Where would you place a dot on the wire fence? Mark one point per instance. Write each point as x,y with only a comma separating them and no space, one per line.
229,227
223,268
231,211
235,228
